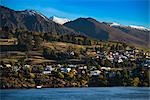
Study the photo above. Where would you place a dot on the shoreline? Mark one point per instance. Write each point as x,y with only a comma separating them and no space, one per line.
76,87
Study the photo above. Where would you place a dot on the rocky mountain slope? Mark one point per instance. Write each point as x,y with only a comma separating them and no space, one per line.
105,31
30,20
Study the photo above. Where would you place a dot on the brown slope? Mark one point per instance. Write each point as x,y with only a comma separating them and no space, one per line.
141,34
95,29
30,20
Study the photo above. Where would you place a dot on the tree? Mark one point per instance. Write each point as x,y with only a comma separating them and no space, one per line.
86,41
25,40
49,53
135,81
28,42
60,75
7,33
92,62
80,42
124,45
37,42
102,81
108,63
37,69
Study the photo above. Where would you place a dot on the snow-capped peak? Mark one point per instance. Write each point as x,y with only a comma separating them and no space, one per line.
115,24
33,13
139,27
30,12
59,20
131,26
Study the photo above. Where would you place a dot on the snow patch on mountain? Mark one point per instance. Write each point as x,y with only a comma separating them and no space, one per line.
131,26
59,20
33,13
139,27
115,24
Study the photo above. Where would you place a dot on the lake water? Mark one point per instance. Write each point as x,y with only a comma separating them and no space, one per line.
100,93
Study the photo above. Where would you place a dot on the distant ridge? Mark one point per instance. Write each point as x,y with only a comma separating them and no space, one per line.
109,31
59,20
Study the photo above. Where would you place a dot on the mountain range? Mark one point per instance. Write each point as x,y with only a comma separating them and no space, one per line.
107,31
30,20
34,21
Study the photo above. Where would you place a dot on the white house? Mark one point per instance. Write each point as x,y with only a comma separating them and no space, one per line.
95,73
59,65
46,72
72,66
123,57
27,66
82,67
120,60
105,68
16,68
8,65
98,52
65,70
72,53
1,66
85,67
48,69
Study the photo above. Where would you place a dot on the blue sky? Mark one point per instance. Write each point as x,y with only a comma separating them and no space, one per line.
127,12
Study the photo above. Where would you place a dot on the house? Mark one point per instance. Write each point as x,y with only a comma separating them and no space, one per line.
123,57
97,57
95,73
120,60
98,52
27,66
147,54
65,70
146,63
136,51
59,65
1,66
16,68
72,66
82,70
72,53
46,72
48,69
82,67
110,58
7,65
105,68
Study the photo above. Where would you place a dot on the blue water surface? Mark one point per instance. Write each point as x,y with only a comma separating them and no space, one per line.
98,93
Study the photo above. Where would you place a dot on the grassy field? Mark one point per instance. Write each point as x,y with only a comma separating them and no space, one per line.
8,41
37,57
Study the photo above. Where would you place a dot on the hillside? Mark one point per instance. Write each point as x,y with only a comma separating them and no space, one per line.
30,20
98,30
34,21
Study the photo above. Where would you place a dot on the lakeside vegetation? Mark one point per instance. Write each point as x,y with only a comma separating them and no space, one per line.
62,60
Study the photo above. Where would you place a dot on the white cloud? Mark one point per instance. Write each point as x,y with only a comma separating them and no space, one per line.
49,11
